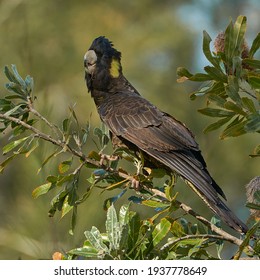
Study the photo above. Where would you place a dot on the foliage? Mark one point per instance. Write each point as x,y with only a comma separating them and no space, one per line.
231,83
127,236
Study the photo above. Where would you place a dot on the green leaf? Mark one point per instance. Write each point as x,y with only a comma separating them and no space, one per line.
65,125
183,72
229,105
248,104
206,50
254,81
65,165
253,123
154,204
18,78
112,227
124,214
66,206
216,99
10,112
237,66
229,43
47,160
252,62
177,229
73,220
253,206
212,112
200,77
239,33
160,231
95,239
232,89
10,146
216,74
134,228
234,129
6,161
255,46
88,251
35,146
10,76
43,189
216,124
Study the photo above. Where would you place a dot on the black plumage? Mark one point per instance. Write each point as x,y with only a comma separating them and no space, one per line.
140,125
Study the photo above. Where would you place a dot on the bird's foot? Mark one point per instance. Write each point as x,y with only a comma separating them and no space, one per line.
107,159
135,184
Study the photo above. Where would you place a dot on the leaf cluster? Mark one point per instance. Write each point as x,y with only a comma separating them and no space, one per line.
231,83
127,236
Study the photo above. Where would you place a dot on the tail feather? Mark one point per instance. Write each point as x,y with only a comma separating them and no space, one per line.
221,209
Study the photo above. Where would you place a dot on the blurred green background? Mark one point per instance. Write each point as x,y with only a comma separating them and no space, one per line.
47,39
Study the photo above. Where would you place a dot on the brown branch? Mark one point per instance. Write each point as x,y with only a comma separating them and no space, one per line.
64,146
203,220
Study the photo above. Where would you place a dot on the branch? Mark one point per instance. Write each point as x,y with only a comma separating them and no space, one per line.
64,146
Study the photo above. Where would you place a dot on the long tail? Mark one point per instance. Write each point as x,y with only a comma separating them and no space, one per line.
221,209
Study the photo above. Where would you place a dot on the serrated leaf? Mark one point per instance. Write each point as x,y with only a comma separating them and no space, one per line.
160,231
112,228
43,189
255,46
10,146
124,214
95,239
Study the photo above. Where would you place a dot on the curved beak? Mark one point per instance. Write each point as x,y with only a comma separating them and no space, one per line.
90,59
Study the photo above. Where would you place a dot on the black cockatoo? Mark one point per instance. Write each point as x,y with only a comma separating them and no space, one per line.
138,124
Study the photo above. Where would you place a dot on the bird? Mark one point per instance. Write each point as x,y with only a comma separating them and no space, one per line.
139,125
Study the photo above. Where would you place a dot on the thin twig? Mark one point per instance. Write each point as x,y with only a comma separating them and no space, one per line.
64,146
41,117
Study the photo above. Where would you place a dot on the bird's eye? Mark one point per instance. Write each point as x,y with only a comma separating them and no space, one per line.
91,63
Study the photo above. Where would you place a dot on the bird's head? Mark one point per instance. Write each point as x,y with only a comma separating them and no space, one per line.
102,64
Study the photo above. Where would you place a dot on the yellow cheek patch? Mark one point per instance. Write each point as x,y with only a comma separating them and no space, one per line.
114,69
